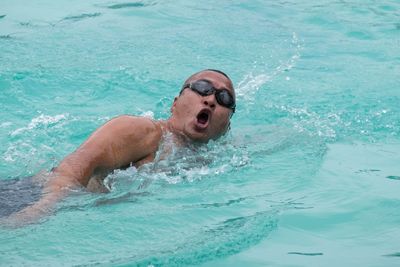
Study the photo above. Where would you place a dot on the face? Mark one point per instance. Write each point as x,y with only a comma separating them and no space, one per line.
202,118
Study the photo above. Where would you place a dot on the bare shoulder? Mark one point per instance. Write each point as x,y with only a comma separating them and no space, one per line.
133,129
123,140
125,129
133,119
128,122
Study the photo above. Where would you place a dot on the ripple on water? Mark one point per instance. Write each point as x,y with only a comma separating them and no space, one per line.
393,177
129,5
226,238
6,37
361,35
396,254
306,253
82,16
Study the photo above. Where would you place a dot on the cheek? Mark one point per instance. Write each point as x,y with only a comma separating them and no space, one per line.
183,108
223,121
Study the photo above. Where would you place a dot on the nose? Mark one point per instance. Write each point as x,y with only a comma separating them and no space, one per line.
209,101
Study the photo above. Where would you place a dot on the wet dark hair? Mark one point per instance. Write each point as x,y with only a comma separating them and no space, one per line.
220,72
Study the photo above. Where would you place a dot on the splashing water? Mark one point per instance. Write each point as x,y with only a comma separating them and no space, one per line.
250,84
310,167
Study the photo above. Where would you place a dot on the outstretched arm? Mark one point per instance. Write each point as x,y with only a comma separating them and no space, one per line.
119,142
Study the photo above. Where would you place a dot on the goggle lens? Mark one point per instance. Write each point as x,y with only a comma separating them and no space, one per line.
204,88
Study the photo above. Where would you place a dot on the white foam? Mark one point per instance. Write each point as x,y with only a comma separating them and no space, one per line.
103,119
19,150
148,114
42,120
251,83
5,124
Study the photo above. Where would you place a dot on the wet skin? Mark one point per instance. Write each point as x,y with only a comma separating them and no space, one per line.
130,140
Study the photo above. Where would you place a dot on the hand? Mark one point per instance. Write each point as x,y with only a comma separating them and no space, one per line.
28,215
55,189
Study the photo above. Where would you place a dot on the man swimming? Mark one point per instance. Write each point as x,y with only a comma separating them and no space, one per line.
201,112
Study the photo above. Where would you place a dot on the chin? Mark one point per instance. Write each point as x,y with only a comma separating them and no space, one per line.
201,137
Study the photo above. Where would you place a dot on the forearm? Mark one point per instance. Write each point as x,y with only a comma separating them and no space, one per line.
51,194
76,168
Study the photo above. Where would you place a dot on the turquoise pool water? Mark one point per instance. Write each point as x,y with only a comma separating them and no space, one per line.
308,176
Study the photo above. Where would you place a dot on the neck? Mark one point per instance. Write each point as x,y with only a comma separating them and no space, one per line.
179,137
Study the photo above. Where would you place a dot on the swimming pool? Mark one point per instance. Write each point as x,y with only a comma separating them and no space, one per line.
308,176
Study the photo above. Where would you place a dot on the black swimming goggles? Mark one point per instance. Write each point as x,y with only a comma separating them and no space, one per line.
205,87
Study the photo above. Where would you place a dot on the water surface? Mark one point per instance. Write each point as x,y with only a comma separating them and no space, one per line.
308,175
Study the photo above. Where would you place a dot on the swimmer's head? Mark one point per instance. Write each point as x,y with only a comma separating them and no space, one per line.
203,109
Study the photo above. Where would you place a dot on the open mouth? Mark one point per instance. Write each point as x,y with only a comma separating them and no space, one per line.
203,118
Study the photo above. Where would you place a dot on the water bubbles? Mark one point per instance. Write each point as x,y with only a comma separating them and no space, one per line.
251,82
176,164
240,160
41,121
5,124
381,112
148,114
